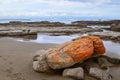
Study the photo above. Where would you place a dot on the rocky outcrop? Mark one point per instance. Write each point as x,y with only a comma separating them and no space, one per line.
115,27
114,36
68,54
99,22
17,32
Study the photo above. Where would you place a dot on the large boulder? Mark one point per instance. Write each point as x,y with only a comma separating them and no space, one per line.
75,51
68,54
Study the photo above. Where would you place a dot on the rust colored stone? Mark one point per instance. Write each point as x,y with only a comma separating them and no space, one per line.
75,51
98,45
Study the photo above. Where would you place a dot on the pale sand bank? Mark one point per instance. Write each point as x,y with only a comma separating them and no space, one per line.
16,61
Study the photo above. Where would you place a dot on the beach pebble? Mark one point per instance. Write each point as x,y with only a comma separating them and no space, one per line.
99,74
77,73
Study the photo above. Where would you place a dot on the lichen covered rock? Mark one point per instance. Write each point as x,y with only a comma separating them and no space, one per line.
97,43
71,53
75,51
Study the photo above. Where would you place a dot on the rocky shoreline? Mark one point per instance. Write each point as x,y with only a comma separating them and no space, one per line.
113,36
95,68
21,29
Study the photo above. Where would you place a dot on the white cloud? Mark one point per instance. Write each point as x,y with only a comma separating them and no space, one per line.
55,8
57,2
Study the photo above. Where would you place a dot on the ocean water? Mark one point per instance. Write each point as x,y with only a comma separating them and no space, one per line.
65,19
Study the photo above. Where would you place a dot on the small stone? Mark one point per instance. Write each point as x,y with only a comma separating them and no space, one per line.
77,73
99,74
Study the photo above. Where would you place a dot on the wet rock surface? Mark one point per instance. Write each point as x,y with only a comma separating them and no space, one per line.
114,36
21,29
115,27
16,32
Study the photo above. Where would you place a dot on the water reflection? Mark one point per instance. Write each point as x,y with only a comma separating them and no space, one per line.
98,27
112,49
43,38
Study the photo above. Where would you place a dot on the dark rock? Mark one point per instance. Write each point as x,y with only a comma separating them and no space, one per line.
113,60
115,27
92,62
77,73
99,74
103,62
89,78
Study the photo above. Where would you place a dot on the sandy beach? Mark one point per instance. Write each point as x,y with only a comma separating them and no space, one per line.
86,33
16,61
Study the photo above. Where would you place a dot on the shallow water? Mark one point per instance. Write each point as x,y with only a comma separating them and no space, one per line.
98,27
112,49
44,38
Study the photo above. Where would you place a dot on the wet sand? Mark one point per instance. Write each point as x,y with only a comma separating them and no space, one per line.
16,61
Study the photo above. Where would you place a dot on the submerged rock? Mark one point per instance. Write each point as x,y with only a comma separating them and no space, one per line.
77,73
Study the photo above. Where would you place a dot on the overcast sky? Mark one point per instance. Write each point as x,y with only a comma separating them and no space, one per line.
48,8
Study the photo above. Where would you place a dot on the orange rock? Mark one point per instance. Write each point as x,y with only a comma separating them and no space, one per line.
98,45
75,51
68,54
